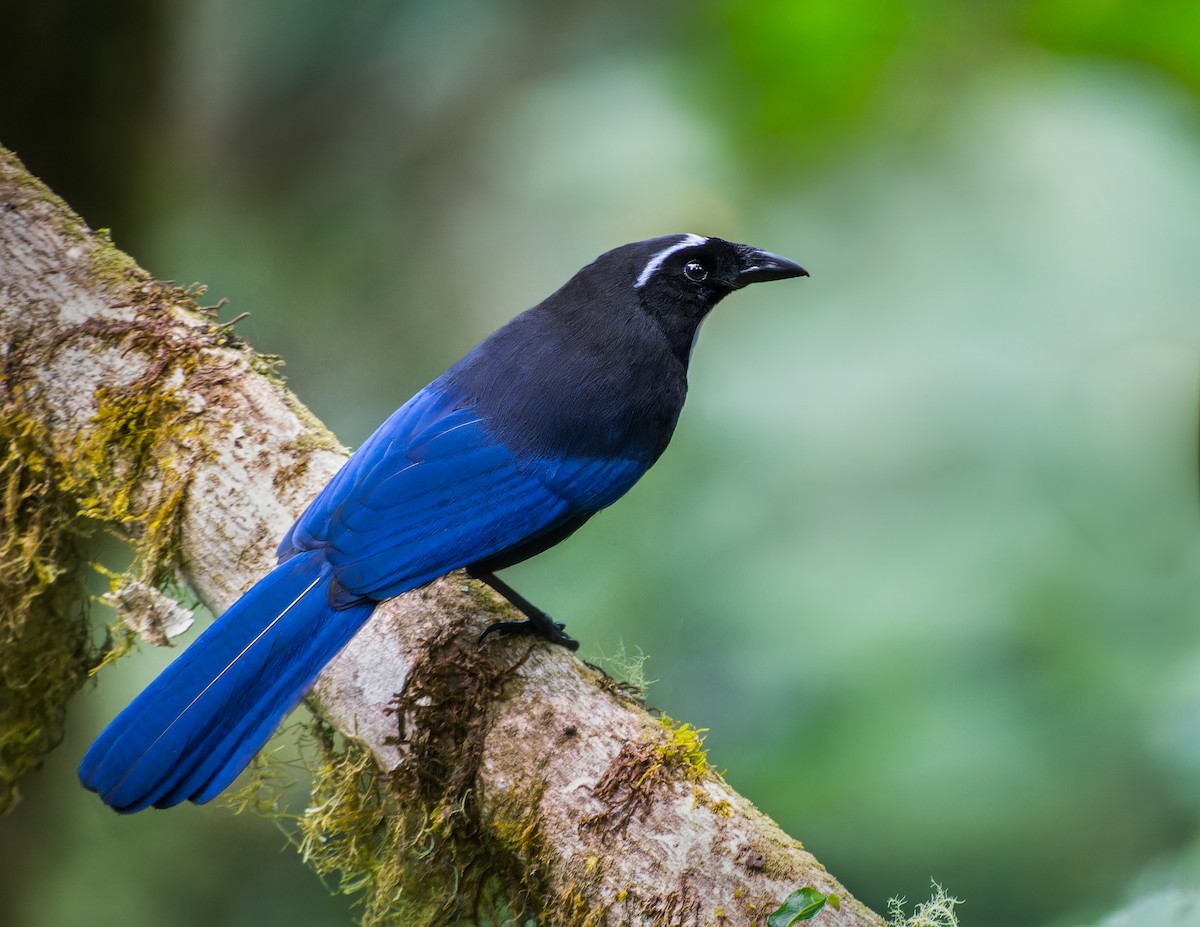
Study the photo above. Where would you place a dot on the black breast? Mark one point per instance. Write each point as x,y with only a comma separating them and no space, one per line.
583,383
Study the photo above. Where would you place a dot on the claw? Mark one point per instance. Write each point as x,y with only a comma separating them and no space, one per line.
554,634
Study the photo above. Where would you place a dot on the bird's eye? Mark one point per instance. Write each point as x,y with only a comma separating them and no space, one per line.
695,271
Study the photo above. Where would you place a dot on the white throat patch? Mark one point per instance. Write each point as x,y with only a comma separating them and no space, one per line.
689,241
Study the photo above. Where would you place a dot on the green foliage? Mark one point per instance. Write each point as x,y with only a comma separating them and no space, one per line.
811,62
802,905
808,72
1164,34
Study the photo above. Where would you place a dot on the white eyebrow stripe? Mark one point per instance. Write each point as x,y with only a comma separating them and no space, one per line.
689,241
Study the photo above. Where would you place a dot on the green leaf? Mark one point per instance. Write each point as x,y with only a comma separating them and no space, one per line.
802,905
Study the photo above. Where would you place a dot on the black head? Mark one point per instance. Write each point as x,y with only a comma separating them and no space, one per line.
695,268
679,278
692,274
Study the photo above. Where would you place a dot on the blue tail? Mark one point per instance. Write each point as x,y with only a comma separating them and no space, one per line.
199,723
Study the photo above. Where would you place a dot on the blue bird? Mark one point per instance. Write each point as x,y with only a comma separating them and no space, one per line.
549,420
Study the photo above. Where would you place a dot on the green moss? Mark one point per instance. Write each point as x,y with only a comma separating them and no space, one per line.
410,844
299,452
442,720
98,262
129,469
646,769
485,599
45,644
683,753
124,472
108,266
406,860
567,900
120,457
352,833
53,497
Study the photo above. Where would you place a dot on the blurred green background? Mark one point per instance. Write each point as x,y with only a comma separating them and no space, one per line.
923,554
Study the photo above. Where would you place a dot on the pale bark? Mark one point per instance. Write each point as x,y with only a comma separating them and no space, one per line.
543,729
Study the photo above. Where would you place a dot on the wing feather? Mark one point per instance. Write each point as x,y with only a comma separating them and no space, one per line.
434,490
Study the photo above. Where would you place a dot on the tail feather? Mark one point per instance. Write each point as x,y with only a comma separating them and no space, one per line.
200,722
229,749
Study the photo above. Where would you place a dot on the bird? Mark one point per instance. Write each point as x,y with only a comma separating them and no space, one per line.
546,422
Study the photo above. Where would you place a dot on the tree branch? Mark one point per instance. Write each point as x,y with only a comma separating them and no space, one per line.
529,780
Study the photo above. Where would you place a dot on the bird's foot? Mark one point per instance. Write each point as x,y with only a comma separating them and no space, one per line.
549,630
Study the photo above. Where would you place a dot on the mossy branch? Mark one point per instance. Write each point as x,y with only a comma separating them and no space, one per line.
473,784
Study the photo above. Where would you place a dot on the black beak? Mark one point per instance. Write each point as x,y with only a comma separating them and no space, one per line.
758,266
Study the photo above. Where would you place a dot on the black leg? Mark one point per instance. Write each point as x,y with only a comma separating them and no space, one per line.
537,621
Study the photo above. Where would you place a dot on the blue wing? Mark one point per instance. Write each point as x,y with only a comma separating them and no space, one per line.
434,490
418,414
